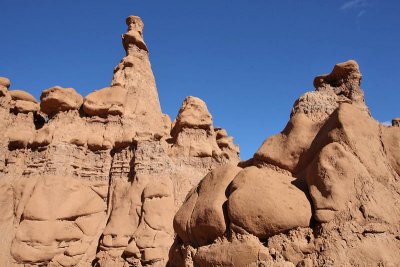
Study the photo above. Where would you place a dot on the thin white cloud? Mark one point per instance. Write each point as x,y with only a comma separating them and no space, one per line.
386,123
354,4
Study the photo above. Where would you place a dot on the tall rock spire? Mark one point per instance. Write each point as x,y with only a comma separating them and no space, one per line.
133,92
96,180
142,105
133,38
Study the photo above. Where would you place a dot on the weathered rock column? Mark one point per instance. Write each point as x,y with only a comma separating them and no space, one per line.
142,105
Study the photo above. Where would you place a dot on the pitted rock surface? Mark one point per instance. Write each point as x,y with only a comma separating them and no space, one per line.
108,179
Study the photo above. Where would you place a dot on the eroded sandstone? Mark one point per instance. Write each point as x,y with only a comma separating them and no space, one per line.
319,193
58,99
109,180
97,180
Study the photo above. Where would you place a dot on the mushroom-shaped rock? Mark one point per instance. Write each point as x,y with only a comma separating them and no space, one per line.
4,82
344,80
134,36
25,106
194,135
22,95
57,99
106,101
396,122
264,202
341,85
289,149
193,114
23,102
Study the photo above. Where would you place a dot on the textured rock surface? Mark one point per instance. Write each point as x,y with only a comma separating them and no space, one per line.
57,99
23,102
109,180
323,192
106,101
97,180
264,202
201,219
194,135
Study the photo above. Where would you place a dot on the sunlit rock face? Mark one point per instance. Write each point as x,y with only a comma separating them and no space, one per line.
97,180
323,192
109,180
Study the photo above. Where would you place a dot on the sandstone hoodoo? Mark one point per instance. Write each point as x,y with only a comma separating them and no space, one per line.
109,180
97,180
57,99
323,192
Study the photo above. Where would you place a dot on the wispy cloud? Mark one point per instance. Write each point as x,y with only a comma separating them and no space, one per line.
354,4
387,123
358,7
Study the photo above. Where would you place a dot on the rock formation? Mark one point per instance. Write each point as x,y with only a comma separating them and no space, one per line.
109,180
58,99
323,192
96,180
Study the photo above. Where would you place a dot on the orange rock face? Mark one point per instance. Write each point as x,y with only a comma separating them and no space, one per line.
57,99
97,180
320,193
109,180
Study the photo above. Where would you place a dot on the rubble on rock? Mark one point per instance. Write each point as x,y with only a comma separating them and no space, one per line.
109,180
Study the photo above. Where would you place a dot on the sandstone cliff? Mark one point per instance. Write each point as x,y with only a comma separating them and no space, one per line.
109,180
96,180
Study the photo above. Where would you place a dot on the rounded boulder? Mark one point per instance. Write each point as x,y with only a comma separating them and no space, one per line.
57,99
264,202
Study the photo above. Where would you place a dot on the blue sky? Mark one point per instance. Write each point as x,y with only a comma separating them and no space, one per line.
249,60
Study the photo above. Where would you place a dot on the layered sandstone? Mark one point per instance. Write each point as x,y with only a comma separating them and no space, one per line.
109,180
96,180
